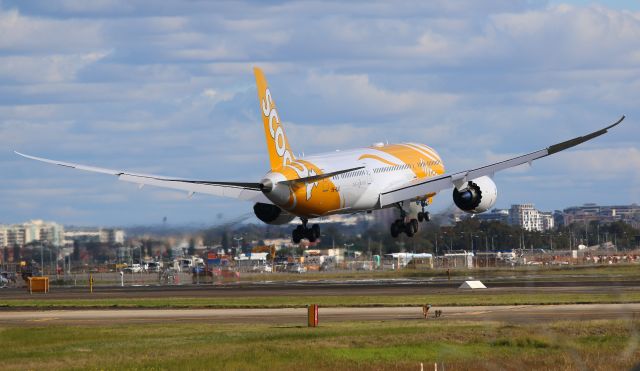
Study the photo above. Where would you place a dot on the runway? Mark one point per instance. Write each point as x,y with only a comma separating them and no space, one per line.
284,316
329,288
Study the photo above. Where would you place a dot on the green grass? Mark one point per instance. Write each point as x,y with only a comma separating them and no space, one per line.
332,346
440,299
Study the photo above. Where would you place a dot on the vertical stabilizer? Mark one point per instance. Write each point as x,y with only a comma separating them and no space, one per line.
277,144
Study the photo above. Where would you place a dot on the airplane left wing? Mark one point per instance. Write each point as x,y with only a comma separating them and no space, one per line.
238,190
423,186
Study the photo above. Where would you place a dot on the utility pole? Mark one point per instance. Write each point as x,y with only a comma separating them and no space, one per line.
436,244
486,250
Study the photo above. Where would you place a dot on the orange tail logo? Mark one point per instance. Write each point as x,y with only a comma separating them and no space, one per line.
277,144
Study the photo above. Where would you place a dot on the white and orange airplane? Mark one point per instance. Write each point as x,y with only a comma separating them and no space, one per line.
405,176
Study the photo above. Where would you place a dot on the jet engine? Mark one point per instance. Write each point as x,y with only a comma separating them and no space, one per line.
272,214
479,195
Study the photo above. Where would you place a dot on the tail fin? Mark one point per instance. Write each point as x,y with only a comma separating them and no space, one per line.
277,144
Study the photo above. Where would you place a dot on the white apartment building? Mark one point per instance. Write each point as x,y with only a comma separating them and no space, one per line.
3,236
32,231
530,219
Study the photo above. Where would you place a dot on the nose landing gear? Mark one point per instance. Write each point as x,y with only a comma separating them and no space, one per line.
302,231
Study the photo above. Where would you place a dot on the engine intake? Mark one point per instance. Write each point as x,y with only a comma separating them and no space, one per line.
479,196
272,214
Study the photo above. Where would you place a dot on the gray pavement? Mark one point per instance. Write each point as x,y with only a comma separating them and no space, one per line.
509,314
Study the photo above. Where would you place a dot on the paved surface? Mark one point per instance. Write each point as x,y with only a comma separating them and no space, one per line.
330,288
510,314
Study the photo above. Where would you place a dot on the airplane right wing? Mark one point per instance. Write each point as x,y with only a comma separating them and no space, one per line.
238,190
423,186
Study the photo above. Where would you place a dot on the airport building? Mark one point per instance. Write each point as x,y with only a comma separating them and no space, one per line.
32,231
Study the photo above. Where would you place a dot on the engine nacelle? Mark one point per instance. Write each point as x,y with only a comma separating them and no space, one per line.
479,196
272,214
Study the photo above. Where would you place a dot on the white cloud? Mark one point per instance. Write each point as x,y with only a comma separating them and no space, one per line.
168,89
603,163
33,35
355,94
46,69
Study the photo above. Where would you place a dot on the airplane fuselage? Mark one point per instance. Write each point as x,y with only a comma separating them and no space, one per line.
382,166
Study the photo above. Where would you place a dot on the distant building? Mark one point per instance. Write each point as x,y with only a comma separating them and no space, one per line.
548,221
3,236
592,212
558,218
99,235
32,231
530,219
345,219
495,215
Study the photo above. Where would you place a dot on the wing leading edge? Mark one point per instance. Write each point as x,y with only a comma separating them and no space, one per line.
420,187
239,190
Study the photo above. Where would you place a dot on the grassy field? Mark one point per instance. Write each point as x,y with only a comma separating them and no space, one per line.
579,345
440,299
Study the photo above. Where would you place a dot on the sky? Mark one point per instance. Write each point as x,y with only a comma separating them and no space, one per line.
167,88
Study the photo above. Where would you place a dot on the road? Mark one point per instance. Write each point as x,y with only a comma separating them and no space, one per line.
509,314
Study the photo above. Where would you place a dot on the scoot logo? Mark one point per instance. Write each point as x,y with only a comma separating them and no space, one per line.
277,134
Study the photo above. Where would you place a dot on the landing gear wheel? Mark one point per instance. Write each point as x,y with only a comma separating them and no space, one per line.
413,226
423,216
297,234
408,229
395,229
310,234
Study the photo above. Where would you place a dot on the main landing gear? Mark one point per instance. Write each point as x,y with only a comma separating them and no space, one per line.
409,227
302,231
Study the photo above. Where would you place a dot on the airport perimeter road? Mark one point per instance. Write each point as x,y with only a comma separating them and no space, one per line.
512,314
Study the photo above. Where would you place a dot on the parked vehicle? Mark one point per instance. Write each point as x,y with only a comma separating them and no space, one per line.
296,268
186,264
134,268
154,267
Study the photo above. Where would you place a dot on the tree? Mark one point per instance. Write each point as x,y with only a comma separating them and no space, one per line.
225,240
76,251
16,253
192,247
